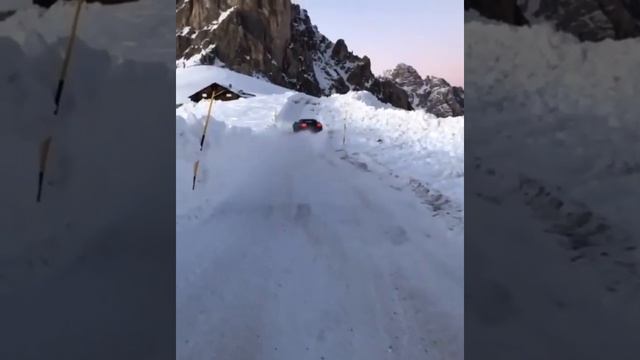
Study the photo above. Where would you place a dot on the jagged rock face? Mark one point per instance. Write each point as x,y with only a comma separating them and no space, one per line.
503,10
275,39
433,94
237,33
588,20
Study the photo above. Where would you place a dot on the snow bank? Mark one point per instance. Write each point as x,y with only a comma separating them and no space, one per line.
141,34
556,153
547,73
85,169
97,250
575,108
8,5
236,130
368,99
410,143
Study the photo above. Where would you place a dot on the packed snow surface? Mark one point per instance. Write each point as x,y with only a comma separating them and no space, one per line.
298,246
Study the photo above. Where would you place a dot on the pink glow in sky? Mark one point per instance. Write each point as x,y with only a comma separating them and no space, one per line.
426,34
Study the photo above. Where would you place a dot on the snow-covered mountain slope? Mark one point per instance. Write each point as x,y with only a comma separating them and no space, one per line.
295,245
546,97
141,34
276,40
433,94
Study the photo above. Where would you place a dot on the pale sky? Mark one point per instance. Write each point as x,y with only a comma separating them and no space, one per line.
426,34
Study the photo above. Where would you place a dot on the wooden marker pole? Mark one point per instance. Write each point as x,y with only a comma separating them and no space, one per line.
344,134
44,155
195,173
65,64
206,123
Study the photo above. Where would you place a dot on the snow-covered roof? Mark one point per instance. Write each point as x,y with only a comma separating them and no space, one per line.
219,92
192,79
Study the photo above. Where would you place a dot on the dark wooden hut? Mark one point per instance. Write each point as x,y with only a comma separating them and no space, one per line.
219,92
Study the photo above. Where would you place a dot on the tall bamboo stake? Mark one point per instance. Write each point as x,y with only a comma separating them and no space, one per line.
195,173
44,155
65,64
206,123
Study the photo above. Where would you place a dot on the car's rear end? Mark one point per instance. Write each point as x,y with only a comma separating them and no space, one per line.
312,125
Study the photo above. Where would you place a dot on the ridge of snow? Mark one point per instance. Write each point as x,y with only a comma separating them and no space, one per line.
142,33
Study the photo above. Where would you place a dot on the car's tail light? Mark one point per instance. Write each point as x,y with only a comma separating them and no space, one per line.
319,125
303,125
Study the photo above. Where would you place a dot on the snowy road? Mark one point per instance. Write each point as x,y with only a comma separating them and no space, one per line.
292,248
313,258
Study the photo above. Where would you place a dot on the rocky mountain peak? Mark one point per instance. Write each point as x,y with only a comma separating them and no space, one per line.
436,81
432,93
404,68
340,52
404,74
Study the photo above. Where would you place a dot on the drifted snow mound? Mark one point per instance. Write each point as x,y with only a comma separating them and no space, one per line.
432,147
141,34
574,106
368,99
89,182
568,111
547,73
217,170
409,143
417,129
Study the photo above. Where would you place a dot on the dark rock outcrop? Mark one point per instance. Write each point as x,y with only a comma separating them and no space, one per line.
588,20
48,3
433,94
502,10
6,14
275,39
